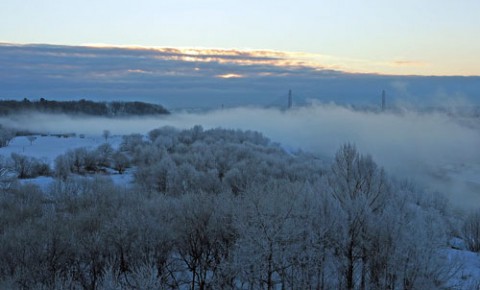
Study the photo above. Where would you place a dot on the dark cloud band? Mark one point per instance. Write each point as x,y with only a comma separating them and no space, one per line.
202,77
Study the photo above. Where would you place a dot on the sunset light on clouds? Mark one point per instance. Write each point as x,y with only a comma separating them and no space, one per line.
179,77
372,36
214,53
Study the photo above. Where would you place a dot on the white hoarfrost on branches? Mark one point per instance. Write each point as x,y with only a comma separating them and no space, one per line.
220,209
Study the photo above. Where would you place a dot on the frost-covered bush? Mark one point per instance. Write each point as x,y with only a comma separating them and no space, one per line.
82,161
176,162
6,135
29,167
221,209
471,231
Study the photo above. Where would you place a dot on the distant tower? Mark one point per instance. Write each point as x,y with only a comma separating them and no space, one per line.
384,100
290,101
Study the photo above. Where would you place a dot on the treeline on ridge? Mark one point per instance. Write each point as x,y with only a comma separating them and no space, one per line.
82,107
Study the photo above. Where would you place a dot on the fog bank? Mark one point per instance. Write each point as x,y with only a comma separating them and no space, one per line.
433,149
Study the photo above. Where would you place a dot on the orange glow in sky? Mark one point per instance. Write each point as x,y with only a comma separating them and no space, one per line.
397,66
407,37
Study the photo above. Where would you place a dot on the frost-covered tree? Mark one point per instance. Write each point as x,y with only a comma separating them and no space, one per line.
23,165
166,132
471,231
131,142
78,157
29,167
354,176
6,135
204,238
270,228
104,154
63,166
362,191
158,177
120,162
380,248
221,209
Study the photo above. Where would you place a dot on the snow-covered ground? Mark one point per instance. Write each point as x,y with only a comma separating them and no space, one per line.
466,266
49,147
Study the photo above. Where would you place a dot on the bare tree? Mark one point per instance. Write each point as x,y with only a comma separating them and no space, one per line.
471,231
106,135
23,165
6,135
120,162
31,138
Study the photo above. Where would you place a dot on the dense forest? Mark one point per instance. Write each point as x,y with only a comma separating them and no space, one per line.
81,107
221,209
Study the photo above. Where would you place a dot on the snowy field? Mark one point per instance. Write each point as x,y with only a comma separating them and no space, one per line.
49,147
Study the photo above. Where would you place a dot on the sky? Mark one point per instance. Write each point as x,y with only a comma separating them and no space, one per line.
409,37
200,78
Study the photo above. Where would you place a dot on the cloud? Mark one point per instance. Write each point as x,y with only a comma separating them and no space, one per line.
230,76
434,149
192,77
408,63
